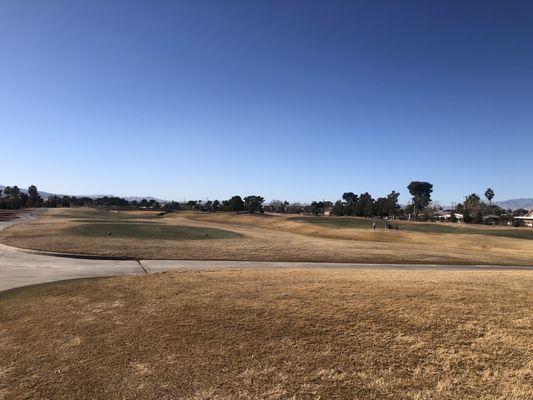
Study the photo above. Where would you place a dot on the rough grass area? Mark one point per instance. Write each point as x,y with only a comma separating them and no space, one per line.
423,227
272,334
148,231
153,235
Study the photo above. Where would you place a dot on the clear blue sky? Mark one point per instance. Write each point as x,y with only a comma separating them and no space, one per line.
292,100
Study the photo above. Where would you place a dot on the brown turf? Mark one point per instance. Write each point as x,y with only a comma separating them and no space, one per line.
272,334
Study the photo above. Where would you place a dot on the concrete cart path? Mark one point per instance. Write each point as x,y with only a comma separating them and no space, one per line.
19,267
152,266
22,269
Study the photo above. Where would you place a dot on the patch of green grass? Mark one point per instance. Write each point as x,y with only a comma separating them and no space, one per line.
94,214
361,223
141,230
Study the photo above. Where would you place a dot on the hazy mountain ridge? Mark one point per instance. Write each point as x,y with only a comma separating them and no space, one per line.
516,203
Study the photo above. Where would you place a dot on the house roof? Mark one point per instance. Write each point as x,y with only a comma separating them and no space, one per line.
528,216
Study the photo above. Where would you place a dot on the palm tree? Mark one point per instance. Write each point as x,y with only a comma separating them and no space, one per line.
489,194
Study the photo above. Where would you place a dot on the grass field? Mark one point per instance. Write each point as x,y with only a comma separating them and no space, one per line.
423,227
272,334
154,235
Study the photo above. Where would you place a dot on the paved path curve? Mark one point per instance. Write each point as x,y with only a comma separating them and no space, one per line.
21,268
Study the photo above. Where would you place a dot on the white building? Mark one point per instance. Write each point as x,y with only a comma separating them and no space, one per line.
526,220
446,216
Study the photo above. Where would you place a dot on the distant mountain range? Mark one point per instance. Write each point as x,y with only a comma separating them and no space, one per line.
516,203
92,196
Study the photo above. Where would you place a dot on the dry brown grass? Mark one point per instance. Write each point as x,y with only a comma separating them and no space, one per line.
272,334
269,238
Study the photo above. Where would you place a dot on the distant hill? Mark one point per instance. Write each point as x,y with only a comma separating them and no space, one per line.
136,198
91,196
513,204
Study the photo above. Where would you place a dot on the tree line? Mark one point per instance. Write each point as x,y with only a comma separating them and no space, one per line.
421,207
253,204
473,209
476,211
15,198
364,205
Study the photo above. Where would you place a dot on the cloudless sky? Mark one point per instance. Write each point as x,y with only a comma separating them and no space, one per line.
296,100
